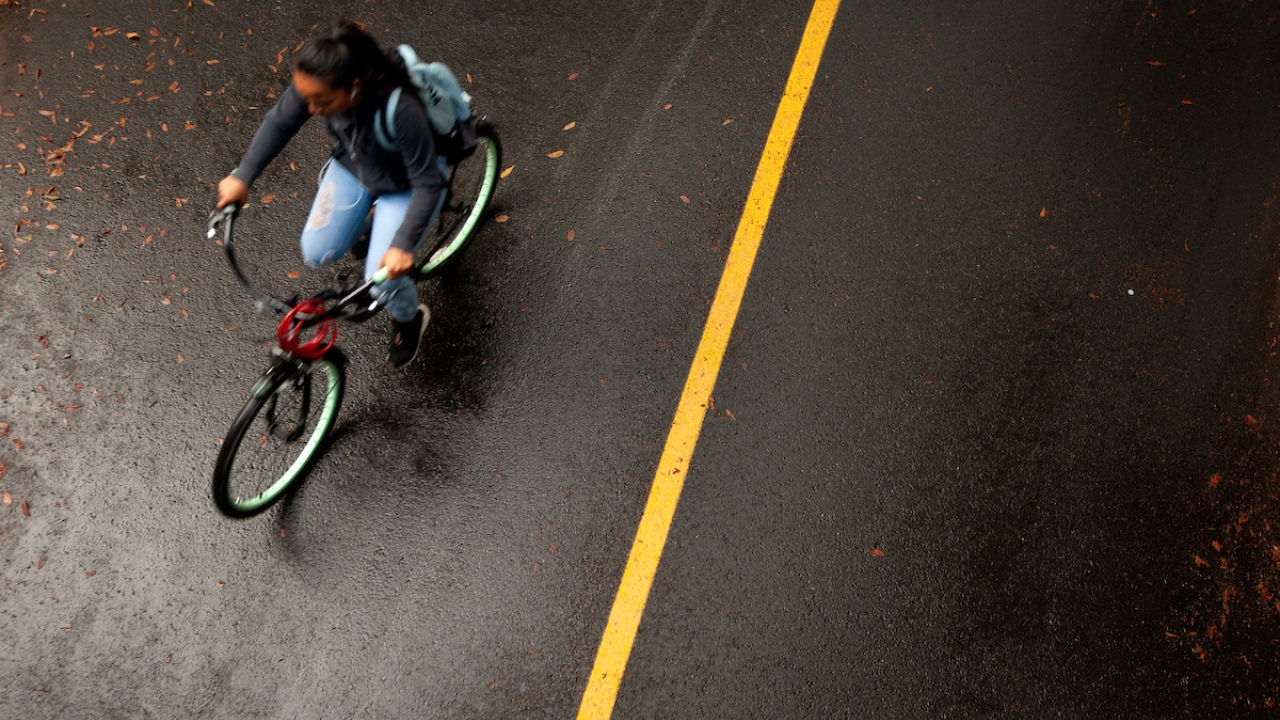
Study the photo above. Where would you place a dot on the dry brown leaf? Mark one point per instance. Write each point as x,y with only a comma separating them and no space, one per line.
572,234
1217,478
180,357
685,199
146,240
166,301
294,274
573,76
189,126
212,62
501,219
8,499
571,125
267,198
506,172
53,226
154,32
1187,102
1156,63
555,154
133,36
174,86
877,552
726,122
667,106
1044,211
26,509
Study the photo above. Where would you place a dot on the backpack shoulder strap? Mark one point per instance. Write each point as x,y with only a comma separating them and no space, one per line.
384,122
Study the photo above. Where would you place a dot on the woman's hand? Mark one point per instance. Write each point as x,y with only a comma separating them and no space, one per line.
232,190
397,262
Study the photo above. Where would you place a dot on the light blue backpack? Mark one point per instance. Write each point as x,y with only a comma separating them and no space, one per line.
448,108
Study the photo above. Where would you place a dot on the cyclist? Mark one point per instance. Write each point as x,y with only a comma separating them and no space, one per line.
345,77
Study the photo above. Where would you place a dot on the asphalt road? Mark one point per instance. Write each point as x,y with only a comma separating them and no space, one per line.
994,436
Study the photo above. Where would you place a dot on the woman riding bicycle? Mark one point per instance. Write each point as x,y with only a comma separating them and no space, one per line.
345,77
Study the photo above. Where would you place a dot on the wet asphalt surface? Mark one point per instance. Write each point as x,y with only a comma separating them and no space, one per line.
995,435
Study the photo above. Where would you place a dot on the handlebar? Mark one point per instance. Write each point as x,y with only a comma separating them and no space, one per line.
226,217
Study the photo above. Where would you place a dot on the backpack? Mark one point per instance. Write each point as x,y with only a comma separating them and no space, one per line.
448,108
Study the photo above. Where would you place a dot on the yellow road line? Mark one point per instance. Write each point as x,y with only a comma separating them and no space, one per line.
651,536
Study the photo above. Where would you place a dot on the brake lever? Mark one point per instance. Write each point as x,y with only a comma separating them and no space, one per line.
218,215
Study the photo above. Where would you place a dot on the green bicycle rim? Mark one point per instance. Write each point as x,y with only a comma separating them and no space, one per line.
328,414
442,254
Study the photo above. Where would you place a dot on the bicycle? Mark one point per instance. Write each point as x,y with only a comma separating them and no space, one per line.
289,427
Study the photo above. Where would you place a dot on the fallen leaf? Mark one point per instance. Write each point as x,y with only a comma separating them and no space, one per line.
174,86
555,154
267,198
4,429
180,358
573,76
1187,102
506,172
726,122
572,234
154,32
1201,561
212,62
1247,418
169,657
56,226
26,509
8,499
91,573
571,125
209,3
1156,63
1044,211
166,301
146,240
877,552
501,218
189,126
667,106
294,274
685,199
67,626
1213,481
133,36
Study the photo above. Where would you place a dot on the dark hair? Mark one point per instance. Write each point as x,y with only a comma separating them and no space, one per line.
346,54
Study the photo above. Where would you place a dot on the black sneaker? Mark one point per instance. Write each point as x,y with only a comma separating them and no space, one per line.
406,337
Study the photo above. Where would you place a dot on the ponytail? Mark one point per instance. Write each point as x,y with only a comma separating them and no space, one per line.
346,54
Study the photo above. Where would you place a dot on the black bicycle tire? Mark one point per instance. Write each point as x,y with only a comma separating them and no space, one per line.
267,386
488,143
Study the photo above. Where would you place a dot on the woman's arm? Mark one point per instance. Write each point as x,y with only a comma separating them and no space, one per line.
417,149
278,127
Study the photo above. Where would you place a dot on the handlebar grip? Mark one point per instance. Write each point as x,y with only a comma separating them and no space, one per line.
380,276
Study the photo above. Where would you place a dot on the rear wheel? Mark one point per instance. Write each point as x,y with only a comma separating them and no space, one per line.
278,435
471,188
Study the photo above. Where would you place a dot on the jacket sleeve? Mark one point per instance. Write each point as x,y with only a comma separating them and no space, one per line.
417,149
278,127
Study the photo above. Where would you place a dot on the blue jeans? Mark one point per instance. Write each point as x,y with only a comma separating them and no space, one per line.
337,217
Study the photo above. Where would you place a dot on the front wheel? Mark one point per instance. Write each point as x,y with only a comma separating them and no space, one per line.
470,189
278,434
